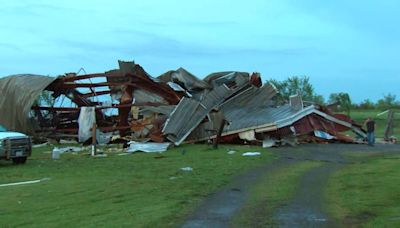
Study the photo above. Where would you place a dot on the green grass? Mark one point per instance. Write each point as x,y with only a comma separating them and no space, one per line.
140,190
366,194
361,115
271,192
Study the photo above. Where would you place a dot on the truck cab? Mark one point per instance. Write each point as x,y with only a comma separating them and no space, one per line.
14,146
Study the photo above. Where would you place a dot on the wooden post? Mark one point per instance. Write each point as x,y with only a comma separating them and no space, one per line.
94,140
389,126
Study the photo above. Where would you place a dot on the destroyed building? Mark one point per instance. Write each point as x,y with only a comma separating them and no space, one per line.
177,107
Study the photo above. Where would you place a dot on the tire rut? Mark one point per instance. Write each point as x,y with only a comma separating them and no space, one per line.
218,209
306,207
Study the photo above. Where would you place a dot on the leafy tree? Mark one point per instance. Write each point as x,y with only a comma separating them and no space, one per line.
296,84
45,99
318,99
343,99
388,101
366,104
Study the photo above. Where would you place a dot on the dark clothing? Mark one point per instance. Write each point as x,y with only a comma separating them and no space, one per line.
371,138
370,126
370,132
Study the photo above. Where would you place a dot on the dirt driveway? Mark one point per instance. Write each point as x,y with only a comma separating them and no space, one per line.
305,208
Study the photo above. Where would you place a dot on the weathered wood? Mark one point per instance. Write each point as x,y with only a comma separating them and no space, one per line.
389,126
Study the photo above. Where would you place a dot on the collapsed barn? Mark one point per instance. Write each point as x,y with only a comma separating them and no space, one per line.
128,104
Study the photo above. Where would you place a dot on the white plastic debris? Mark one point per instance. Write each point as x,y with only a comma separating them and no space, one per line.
231,152
86,120
251,154
24,182
93,150
187,169
268,143
248,135
147,147
56,153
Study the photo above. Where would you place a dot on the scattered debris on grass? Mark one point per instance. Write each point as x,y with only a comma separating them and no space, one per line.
147,147
56,152
251,154
187,169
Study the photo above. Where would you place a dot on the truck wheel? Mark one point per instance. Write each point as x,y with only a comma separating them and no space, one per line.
19,160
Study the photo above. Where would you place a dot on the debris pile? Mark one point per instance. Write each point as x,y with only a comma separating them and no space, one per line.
128,104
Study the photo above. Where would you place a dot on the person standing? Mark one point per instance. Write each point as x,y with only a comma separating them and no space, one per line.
218,121
370,124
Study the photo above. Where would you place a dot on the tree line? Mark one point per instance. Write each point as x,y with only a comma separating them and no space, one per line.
302,85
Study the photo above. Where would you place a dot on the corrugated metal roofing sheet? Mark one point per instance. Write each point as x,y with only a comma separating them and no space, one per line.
242,120
189,113
184,78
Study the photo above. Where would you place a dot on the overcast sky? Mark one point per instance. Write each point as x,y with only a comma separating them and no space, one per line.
343,46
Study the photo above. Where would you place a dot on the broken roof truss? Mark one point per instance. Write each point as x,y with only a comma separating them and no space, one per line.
176,107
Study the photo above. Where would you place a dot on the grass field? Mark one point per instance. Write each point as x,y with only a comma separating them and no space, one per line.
151,190
144,190
366,193
361,115
273,190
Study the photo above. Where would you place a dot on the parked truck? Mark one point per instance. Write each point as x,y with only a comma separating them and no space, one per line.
14,146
